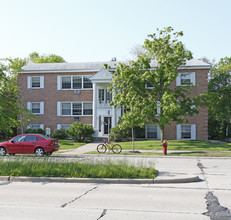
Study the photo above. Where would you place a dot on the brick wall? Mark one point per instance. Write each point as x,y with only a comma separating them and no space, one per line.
50,96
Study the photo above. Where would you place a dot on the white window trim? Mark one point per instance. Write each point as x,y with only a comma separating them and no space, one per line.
193,132
59,109
59,82
29,107
193,78
40,125
29,82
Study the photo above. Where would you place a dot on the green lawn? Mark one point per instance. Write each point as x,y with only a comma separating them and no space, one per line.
177,145
186,148
66,145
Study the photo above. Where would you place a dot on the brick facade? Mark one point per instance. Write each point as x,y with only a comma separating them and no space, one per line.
50,95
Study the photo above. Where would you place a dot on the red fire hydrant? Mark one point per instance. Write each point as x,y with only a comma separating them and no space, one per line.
164,144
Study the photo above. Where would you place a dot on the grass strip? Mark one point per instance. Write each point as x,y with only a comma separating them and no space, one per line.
177,145
66,144
192,153
45,168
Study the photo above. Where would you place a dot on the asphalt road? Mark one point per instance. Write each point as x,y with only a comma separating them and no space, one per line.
127,201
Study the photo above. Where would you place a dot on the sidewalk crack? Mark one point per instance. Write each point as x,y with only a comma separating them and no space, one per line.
102,214
65,204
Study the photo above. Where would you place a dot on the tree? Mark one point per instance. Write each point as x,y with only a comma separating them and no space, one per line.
219,89
13,112
51,58
11,105
163,103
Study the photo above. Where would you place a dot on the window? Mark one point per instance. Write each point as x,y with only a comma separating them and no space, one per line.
100,123
77,109
66,108
87,108
31,138
74,108
74,82
77,82
66,82
36,126
101,95
184,79
63,126
36,107
19,138
108,96
87,83
35,82
186,132
151,131
104,96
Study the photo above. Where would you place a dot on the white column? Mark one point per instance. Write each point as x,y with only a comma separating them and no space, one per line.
95,109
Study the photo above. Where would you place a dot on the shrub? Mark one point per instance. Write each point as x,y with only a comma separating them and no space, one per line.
60,134
34,131
80,132
119,133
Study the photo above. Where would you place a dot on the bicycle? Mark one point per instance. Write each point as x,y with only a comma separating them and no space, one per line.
116,148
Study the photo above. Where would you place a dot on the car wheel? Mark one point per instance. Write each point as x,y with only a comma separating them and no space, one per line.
39,152
2,151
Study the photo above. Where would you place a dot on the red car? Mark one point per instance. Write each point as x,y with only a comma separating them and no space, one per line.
29,144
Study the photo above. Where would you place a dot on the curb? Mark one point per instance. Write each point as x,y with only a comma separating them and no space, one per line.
158,180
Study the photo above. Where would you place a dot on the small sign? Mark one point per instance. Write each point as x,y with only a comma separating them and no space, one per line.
48,131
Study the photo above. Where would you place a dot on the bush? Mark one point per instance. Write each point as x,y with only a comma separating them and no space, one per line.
120,134
80,132
34,131
124,134
60,134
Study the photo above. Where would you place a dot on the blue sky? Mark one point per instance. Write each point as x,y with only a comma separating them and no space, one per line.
97,30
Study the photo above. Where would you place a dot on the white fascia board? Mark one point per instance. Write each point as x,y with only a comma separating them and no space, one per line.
194,67
188,67
101,81
58,71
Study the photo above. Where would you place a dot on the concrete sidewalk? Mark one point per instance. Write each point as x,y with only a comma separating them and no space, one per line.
81,150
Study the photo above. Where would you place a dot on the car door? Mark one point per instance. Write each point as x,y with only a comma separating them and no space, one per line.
29,144
16,145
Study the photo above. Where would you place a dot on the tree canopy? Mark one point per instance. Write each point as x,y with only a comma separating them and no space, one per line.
11,105
219,88
144,86
13,112
51,58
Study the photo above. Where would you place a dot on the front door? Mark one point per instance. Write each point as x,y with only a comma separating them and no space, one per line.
107,125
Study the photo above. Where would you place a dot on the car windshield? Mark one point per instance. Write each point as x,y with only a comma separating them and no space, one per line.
43,136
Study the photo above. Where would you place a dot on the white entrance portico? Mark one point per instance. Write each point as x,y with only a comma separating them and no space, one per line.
105,116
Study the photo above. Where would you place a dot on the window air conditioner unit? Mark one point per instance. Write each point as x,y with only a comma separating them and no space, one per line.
76,91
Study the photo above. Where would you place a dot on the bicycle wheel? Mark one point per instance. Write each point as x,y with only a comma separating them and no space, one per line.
101,148
116,149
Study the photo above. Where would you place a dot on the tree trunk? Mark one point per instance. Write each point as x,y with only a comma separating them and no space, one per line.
133,140
161,134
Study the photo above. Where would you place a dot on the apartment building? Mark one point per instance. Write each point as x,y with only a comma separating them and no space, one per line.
60,94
